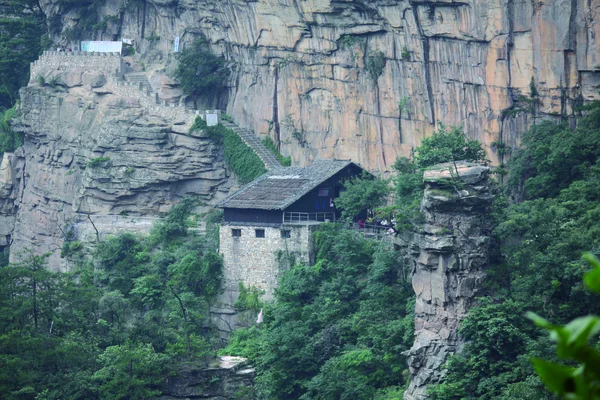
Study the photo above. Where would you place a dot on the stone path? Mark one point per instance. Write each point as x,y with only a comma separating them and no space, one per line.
267,157
140,79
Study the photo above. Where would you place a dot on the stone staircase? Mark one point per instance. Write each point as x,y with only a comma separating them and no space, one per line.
138,79
267,157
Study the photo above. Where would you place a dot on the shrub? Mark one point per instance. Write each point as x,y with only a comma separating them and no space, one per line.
98,161
447,145
199,71
348,41
405,55
375,65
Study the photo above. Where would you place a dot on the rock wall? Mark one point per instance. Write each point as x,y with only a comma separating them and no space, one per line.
99,157
306,72
449,256
228,378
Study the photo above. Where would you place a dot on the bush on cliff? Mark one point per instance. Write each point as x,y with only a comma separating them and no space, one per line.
199,71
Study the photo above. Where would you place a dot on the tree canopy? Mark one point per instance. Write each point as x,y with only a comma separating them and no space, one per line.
199,71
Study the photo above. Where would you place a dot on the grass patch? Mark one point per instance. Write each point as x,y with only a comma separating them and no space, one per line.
240,157
269,144
98,161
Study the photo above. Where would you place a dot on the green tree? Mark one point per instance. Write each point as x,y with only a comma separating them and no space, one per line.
199,71
448,145
362,193
22,38
130,371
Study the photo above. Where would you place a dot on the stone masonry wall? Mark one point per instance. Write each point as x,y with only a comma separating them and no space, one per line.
106,63
253,260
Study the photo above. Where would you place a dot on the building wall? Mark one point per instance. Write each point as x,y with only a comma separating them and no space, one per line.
253,260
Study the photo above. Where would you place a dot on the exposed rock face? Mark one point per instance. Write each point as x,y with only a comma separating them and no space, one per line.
98,154
304,69
449,256
230,378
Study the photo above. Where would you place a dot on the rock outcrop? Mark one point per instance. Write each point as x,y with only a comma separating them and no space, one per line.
99,157
449,255
325,78
228,378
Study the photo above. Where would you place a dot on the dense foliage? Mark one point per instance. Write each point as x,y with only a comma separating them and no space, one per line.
573,343
199,71
240,157
368,192
22,38
9,139
539,265
446,145
112,329
338,327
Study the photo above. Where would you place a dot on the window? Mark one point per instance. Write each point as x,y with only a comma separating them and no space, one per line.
260,233
324,192
236,232
285,234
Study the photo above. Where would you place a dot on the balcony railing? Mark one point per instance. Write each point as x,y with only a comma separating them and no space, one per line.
300,217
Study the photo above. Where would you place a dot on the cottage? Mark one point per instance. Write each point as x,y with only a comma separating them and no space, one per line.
273,218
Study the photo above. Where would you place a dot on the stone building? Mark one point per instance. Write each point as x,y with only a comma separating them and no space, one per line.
272,219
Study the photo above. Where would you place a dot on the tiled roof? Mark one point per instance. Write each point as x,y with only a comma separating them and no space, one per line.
280,188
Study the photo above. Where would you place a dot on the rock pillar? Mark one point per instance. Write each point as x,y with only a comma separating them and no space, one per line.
449,255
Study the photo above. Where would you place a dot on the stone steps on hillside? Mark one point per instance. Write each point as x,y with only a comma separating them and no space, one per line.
248,137
138,78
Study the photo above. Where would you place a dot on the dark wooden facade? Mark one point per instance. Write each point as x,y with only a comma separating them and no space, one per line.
318,200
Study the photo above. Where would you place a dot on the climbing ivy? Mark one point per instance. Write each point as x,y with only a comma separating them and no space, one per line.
240,157
269,144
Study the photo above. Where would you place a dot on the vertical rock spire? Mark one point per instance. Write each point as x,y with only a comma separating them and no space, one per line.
449,255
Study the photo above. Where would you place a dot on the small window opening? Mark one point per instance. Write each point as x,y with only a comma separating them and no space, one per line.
260,233
286,234
236,232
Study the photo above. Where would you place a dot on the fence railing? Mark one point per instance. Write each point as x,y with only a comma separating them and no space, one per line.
301,217
377,232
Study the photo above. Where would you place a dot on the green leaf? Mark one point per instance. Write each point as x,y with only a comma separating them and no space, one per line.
558,378
592,278
539,321
581,330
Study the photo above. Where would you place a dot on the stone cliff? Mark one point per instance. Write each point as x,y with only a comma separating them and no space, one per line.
449,255
99,157
325,78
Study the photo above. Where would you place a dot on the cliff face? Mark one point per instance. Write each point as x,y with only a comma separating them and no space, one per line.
449,256
325,77
99,157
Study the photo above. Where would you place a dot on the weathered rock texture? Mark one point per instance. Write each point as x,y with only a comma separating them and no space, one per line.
449,256
302,75
230,378
98,154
